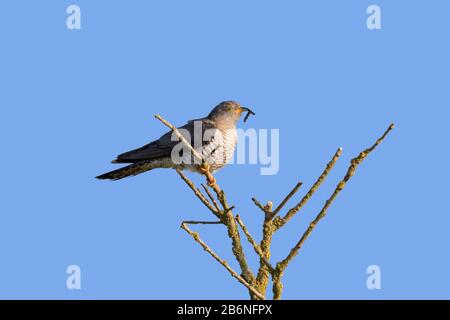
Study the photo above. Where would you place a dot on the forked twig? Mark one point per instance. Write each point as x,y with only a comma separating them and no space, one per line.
260,206
278,223
340,186
198,193
214,202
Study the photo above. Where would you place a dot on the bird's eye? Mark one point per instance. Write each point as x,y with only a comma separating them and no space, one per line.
229,109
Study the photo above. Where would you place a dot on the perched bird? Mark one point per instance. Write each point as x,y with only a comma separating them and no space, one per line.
214,137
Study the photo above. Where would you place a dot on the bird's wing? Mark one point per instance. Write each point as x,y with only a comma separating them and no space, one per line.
163,146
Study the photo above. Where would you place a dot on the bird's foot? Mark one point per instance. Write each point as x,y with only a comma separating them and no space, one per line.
205,170
211,181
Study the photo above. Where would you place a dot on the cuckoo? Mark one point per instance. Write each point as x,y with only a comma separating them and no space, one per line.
213,137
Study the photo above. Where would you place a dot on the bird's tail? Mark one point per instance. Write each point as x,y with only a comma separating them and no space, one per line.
130,170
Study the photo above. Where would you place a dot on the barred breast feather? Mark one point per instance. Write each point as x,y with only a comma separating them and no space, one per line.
219,151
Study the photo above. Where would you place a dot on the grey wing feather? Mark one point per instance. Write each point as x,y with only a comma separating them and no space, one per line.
163,146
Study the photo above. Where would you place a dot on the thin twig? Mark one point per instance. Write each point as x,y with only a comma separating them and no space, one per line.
253,243
214,202
201,222
227,210
233,273
286,199
198,193
350,172
259,205
279,222
197,155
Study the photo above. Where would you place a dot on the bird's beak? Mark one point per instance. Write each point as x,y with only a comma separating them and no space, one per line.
249,112
243,109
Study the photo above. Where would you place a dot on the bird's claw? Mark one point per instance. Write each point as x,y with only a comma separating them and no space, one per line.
211,181
204,168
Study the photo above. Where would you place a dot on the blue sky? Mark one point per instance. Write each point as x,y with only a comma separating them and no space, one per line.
71,100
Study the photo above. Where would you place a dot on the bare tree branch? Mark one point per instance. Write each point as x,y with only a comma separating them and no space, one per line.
272,221
198,193
285,200
279,222
214,202
281,266
233,273
197,155
226,216
253,242
201,222
260,206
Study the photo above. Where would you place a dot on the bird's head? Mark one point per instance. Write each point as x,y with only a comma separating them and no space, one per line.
227,113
